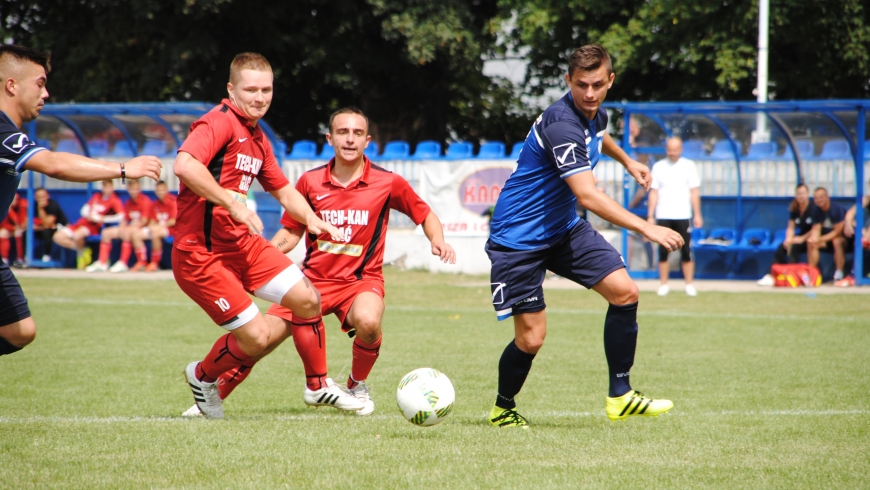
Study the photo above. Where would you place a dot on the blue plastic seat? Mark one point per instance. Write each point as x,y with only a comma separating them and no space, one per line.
491,150
697,234
372,150
396,150
516,149
460,150
303,150
761,151
693,149
427,150
69,146
122,149
754,238
327,152
155,148
728,234
721,151
804,148
836,150
776,242
43,143
867,150
98,148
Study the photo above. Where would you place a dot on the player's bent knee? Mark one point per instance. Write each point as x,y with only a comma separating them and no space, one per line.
279,286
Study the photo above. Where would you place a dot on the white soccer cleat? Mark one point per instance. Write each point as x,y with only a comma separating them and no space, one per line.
193,411
766,281
206,395
119,267
691,291
332,396
664,290
361,393
97,267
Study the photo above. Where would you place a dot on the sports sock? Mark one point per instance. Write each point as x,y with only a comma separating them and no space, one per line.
513,369
225,355
156,255
19,247
7,348
4,248
309,337
142,254
620,340
126,250
105,250
364,357
228,381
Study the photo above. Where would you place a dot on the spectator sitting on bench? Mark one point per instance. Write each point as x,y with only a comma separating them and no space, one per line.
15,224
137,210
849,234
161,225
103,208
829,218
49,217
797,231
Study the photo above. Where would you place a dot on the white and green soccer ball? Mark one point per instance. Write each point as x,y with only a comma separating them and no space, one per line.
425,396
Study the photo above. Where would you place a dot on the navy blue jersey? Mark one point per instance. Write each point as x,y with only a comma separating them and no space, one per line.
536,206
15,149
833,216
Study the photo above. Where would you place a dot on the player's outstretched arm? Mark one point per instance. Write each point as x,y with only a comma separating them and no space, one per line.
299,209
583,186
639,171
286,239
77,168
435,233
196,176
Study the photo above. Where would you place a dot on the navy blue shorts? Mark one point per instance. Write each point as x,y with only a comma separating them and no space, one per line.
581,255
13,304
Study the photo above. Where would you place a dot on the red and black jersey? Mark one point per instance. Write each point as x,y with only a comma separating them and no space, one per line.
165,210
362,209
235,152
138,209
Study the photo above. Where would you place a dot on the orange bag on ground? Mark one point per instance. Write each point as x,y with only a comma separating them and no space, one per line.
794,275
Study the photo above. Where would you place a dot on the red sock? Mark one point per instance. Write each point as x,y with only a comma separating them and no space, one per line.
126,250
224,356
156,255
19,247
4,248
310,339
105,250
364,357
233,378
142,254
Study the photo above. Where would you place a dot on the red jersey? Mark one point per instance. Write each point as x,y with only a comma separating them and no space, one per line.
112,208
164,211
138,209
234,152
362,209
17,216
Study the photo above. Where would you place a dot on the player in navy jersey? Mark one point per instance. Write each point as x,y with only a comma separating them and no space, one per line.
24,73
535,228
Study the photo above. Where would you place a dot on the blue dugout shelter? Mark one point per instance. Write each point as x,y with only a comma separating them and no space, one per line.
752,156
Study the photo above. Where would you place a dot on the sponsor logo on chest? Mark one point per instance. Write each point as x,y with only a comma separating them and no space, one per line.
247,163
341,217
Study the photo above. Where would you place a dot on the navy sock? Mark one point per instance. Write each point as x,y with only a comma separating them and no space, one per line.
7,348
513,368
620,340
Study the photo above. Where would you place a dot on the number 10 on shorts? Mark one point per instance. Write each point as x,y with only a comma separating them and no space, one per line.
223,304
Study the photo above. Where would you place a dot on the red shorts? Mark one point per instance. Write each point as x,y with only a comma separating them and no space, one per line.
219,282
7,224
93,228
335,297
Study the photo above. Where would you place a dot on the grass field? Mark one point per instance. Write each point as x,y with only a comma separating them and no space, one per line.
770,391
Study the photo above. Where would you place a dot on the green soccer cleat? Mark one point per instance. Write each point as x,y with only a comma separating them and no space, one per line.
507,417
634,403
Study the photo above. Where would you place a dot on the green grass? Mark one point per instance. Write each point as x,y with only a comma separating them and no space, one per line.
770,391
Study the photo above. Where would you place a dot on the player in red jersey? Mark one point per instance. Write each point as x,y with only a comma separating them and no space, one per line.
136,212
14,225
355,195
103,208
161,224
219,256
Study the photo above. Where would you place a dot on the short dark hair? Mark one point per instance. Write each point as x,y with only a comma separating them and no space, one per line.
22,53
821,189
348,110
589,57
160,182
248,61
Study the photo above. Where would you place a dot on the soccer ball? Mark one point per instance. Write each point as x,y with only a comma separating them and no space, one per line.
425,396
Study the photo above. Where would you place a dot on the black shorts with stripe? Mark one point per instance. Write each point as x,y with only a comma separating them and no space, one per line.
13,304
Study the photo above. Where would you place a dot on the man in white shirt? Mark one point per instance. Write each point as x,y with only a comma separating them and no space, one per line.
673,197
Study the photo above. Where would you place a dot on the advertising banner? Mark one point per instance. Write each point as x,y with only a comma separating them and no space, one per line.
461,192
